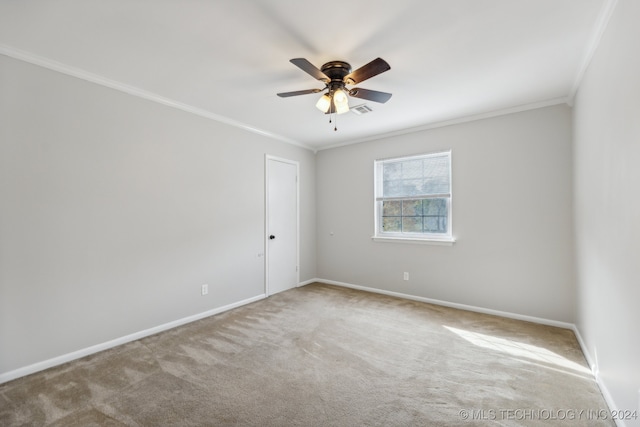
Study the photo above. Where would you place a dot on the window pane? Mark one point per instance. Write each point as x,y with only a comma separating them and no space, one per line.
391,171
436,175
435,224
436,214
415,176
412,208
412,224
392,224
392,208
392,188
435,206
412,187
415,216
415,184
412,169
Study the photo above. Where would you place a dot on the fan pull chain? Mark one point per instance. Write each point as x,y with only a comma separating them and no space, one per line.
335,120
332,112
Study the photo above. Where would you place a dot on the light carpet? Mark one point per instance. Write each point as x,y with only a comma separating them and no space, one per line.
322,355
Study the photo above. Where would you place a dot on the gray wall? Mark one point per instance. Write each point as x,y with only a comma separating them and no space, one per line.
512,217
114,210
607,200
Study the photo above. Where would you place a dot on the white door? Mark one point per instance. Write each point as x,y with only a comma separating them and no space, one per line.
281,224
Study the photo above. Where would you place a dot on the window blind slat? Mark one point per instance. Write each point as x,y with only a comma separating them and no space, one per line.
423,176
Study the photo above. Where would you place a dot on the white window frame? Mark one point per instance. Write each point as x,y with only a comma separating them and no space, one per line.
420,238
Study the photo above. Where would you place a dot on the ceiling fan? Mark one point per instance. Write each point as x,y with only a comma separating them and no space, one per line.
336,75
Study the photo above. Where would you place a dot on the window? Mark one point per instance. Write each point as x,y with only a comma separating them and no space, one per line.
413,198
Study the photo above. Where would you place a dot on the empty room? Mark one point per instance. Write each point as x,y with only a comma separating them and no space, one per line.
280,212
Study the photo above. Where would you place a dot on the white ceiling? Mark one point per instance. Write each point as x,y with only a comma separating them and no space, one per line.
227,59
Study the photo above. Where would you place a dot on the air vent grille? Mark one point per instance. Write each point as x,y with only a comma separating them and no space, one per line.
361,109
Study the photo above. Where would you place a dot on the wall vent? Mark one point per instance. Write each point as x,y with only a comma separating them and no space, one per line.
361,109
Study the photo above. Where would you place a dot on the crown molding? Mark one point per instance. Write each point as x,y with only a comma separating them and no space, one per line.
137,92
465,119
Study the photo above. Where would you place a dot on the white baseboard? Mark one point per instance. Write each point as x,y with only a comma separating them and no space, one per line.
587,355
593,364
36,367
590,361
307,282
506,314
59,360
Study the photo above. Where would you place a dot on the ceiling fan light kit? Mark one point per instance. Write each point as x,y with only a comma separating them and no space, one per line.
324,103
341,101
336,75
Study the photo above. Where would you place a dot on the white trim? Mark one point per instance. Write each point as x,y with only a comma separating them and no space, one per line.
59,360
465,119
595,370
596,35
587,355
268,157
418,241
420,156
509,315
400,237
135,91
564,325
150,96
307,282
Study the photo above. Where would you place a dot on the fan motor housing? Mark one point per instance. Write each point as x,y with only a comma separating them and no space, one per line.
336,70
336,75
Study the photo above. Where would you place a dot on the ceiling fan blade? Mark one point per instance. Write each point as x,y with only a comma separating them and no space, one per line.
298,92
310,69
371,95
373,68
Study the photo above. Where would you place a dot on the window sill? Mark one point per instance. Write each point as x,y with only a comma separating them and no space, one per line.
448,241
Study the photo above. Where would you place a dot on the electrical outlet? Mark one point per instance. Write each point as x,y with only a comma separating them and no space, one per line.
204,289
406,276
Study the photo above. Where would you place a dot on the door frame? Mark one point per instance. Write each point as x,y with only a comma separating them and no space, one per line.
267,159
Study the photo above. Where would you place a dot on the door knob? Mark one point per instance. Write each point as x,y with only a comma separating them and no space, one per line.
272,237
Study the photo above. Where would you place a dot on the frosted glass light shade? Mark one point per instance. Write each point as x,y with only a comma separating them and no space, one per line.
324,103
341,101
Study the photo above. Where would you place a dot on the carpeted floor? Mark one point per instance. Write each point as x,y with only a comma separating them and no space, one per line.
322,356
